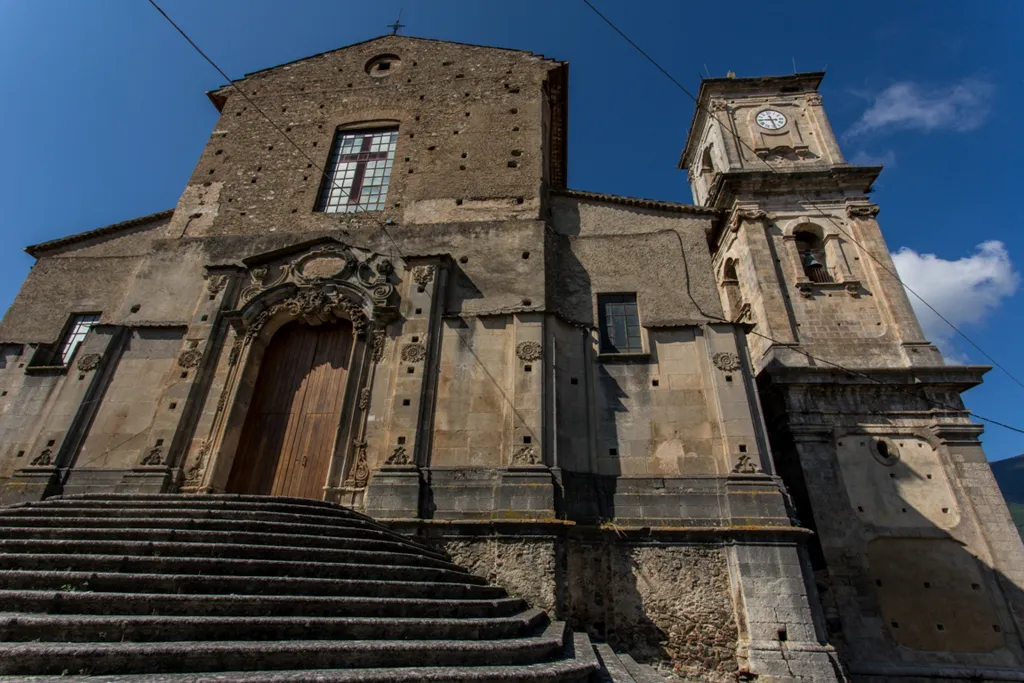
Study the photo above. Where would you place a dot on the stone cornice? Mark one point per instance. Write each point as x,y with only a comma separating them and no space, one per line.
638,202
37,249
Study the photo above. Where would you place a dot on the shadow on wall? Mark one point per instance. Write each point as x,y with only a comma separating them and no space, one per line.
930,593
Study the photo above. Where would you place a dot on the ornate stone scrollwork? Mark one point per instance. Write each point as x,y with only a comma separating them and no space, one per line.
89,361
236,350
399,456
746,215
44,459
423,275
814,99
529,350
364,398
153,458
194,473
190,358
326,283
414,353
359,475
380,340
726,361
525,455
862,210
745,465
215,283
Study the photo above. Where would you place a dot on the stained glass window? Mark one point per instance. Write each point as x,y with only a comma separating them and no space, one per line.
358,171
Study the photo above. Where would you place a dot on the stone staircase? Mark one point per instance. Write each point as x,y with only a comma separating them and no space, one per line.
177,588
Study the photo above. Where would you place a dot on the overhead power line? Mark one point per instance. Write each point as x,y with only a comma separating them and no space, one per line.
384,226
808,202
323,171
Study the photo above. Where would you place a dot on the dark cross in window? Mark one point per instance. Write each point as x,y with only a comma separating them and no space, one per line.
397,25
360,158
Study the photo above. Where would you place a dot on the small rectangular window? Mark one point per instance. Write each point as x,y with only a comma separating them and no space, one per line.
358,171
80,326
620,323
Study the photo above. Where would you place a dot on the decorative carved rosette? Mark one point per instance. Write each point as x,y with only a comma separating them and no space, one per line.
726,361
89,361
414,353
153,458
525,455
190,358
862,210
529,350
399,456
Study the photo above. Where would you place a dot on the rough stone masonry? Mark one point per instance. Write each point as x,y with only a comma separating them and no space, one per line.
611,406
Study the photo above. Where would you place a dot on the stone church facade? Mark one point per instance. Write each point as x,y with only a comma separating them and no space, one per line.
611,406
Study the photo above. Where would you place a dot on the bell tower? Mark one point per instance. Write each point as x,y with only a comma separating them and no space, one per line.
865,420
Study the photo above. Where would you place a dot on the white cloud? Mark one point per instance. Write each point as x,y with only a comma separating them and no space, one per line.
967,290
863,158
961,107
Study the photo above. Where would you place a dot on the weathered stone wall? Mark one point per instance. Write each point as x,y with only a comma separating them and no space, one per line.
526,568
666,605
470,145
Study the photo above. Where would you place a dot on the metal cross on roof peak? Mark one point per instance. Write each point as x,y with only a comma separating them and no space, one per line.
397,25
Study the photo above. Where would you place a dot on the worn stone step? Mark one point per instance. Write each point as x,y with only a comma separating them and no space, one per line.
181,657
115,582
146,628
310,534
87,562
65,602
115,533
620,667
576,664
228,499
221,550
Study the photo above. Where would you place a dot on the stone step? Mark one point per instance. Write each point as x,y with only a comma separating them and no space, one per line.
114,533
310,534
87,562
221,550
576,665
103,659
146,628
620,667
66,602
119,582
227,501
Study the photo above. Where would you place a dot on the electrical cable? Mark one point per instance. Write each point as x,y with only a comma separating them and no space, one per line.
808,202
285,135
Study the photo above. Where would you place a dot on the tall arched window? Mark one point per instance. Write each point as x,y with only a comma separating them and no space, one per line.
812,254
731,289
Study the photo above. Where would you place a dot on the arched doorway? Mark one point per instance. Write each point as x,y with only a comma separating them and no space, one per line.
292,422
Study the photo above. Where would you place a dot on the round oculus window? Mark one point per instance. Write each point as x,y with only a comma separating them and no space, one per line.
382,65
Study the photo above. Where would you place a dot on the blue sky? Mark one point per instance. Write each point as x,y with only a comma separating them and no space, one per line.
105,116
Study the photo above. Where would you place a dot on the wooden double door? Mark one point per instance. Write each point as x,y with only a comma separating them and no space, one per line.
292,423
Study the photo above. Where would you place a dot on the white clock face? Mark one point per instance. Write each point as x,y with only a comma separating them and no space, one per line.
771,119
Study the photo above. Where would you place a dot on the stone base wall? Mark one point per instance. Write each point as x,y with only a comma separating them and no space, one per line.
668,605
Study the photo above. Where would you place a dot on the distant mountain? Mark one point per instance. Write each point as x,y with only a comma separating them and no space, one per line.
1010,477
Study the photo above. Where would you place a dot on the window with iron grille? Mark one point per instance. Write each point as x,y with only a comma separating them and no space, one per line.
620,323
80,326
358,171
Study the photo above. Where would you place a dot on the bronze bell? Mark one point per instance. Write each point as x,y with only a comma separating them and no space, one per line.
811,260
